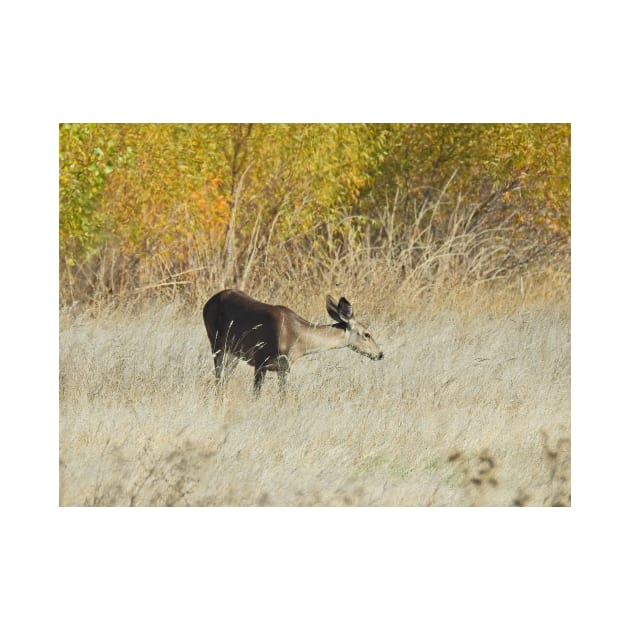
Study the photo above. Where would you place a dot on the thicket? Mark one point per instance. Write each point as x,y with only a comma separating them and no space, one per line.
191,208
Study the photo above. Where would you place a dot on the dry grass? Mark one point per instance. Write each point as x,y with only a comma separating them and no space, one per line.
471,406
407,249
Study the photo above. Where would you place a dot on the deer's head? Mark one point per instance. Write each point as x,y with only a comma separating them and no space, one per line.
360,339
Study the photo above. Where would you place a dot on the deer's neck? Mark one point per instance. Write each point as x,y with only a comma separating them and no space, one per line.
319,338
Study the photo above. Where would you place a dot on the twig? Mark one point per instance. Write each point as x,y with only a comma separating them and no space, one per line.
163,284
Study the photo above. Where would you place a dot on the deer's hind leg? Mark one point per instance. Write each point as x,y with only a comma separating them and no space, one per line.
259,379
220,361
224,361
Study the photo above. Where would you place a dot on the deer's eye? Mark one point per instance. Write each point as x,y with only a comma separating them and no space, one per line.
366,335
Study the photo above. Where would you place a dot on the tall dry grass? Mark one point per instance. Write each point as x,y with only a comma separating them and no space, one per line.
471,406
405,247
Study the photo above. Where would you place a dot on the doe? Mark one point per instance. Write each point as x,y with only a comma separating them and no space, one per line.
271,338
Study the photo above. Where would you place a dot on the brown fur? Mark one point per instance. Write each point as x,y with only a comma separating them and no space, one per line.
271,338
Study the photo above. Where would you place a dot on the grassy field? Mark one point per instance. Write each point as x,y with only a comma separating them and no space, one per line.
470,407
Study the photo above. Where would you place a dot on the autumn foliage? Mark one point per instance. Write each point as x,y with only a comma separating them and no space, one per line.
194,207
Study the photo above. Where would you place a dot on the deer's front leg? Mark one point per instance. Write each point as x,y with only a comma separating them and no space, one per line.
283,373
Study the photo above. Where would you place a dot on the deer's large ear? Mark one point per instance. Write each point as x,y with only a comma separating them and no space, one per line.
331,307
344,308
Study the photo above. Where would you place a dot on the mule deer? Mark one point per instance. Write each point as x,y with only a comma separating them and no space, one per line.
271,338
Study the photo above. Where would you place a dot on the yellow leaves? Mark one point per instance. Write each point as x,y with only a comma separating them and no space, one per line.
160,188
